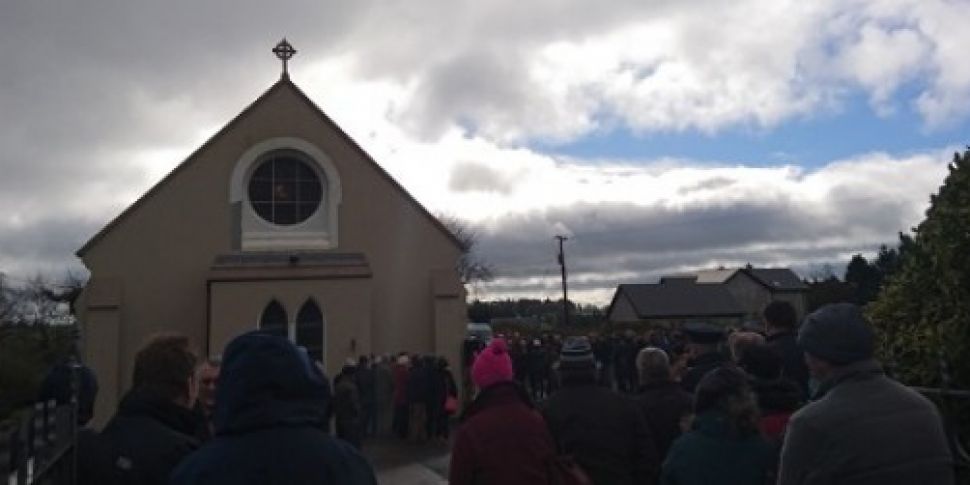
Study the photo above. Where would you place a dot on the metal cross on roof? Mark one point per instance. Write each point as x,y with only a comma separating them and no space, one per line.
284,51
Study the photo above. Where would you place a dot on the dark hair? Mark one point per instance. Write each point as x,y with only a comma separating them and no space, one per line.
780,314
726,389
761,362
164,365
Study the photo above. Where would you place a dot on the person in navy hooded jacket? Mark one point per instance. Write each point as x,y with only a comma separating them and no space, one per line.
270,423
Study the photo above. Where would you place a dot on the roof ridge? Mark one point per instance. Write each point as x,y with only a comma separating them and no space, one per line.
171,174
282,82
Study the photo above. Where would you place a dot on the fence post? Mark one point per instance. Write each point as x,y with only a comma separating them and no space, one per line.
13,466
25,434
46,428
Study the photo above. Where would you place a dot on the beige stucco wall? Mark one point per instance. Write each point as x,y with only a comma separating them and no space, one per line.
161,250
346,306
751,295
622,310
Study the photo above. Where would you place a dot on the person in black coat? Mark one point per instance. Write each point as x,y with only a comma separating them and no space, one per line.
665,405
367,390
270,423
449,390
624,366
155,426
435,398
603,430
703,340
68,379
778,397
347,406
418,392
781,327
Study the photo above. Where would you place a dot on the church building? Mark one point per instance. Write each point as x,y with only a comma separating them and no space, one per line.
279,222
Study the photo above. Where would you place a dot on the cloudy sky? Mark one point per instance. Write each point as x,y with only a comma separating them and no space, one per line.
660,135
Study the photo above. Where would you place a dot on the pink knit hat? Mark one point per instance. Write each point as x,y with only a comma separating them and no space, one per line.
492,365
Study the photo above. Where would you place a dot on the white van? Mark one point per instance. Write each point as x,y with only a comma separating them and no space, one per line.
479,331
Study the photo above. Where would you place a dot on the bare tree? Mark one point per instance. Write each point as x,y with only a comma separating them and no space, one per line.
471,267
39,300
7,300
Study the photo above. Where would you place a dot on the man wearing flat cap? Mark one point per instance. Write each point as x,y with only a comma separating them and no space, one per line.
702,344
862,427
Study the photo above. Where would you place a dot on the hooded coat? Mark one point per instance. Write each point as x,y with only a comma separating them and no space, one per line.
270,422
502,440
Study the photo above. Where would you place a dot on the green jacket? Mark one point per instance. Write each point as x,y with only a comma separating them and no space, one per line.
865,428
710,454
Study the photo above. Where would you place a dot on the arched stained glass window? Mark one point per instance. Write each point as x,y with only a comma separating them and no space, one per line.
309,330
273,320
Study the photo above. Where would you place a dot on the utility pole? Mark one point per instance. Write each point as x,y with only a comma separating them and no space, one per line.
565,294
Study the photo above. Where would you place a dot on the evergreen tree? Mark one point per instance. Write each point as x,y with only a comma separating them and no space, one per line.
922,315
864,277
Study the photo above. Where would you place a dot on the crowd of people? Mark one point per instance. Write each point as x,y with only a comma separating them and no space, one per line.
787,403
411,397
261,415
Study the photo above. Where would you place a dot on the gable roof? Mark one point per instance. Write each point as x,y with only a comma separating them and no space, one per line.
776,279
715,275
679,300
283,83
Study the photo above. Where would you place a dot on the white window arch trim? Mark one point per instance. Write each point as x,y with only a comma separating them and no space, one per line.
271,237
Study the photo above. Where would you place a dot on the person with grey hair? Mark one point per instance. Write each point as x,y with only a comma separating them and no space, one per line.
862,427
665,405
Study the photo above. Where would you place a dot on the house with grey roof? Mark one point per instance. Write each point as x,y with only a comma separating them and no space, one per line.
729,297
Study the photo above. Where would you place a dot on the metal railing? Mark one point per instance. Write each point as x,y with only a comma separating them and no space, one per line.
39,447
961,458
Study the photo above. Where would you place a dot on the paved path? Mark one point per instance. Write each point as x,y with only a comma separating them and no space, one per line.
398,463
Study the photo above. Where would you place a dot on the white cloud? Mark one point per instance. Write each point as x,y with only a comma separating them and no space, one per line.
632,220
444,94
703,66
882,60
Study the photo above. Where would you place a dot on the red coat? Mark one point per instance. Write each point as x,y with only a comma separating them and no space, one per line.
773,426
400,373
502,440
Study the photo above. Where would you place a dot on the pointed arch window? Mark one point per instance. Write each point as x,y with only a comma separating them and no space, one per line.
273,320
310,330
